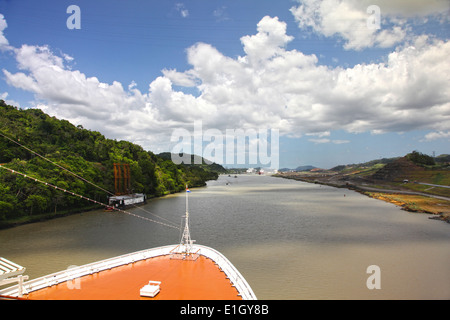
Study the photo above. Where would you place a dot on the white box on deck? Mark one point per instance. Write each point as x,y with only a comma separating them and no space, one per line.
151,289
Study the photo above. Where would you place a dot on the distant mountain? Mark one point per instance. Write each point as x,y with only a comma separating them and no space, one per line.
414,156
305,168
298,169
364,164
398,170
197,161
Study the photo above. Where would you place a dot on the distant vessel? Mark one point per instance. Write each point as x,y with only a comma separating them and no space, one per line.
123,201
185,271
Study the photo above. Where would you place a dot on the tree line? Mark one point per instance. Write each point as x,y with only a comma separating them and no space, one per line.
86,153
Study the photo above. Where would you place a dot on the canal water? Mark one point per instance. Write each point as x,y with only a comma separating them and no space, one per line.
290,239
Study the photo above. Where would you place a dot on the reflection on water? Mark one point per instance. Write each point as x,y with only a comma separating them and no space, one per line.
291,240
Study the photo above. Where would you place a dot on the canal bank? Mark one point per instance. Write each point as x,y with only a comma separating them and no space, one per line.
290,240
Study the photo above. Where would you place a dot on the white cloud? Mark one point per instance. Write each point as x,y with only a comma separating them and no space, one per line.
4,97
132,85
181,8
268,87
183,79
436,136
411,8
348,19
68,58
4,44
320,141
320,134
268,42
221,14
325,140
340,141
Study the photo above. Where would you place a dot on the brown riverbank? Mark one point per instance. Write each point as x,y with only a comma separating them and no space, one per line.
409,200
440,209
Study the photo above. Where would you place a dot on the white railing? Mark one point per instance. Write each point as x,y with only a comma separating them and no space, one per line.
9,269
77,272
11,272
230,270
73,273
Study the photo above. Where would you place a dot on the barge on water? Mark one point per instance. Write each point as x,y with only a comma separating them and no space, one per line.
123,201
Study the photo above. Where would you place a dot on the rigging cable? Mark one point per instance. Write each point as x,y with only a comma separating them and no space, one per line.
78,176
83,197
59,166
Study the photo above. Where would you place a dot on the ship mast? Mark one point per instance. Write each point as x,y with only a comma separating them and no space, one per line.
186,241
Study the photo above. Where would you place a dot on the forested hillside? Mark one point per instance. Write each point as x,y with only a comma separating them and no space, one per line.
84,152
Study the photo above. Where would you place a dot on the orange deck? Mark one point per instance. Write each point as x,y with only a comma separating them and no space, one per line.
180,280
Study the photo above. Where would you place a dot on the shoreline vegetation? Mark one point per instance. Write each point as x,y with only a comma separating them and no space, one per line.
39,146
28,219
416,182
411,186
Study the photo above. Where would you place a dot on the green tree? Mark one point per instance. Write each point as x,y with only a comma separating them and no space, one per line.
420,158
86,153
5,209
37,203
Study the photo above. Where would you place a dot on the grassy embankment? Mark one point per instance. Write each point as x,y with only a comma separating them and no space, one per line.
436,174
386,181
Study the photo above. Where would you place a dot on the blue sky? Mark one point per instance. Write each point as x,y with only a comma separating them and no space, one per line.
337,90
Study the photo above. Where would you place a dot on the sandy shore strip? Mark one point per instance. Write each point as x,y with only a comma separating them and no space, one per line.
440,209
